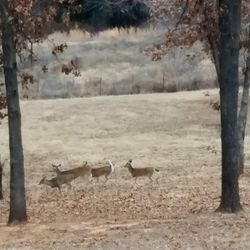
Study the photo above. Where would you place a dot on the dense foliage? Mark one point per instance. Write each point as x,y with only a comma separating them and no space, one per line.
100,14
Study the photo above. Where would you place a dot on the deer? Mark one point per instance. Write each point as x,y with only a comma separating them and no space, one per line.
139,172
102,171
65,177
58,181
76,172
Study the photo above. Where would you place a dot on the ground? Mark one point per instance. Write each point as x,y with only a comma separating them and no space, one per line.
178,133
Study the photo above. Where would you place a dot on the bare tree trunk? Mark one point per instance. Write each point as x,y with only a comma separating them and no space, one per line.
229,45
1,175
17,190
242,119
213,43
215,55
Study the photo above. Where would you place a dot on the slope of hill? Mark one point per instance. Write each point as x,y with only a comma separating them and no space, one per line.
112,63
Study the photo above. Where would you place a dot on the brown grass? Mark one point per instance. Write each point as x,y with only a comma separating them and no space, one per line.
177,133
114,58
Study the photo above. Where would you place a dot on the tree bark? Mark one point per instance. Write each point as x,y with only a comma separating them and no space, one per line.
213,43
242,118
17,189
229,44
1,184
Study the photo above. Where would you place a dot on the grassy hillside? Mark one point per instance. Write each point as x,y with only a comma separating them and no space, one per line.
114,59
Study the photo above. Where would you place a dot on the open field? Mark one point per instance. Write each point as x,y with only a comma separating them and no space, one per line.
178,133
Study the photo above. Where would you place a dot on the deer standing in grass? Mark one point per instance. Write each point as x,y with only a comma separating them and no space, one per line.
139,172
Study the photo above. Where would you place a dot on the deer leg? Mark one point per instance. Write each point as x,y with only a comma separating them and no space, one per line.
150,178
106,177
157,180
136,182
69,185
90,178
59,188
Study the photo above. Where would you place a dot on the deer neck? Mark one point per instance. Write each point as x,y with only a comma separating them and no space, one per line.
130,168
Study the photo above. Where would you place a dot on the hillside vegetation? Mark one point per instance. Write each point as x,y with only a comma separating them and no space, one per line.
112,63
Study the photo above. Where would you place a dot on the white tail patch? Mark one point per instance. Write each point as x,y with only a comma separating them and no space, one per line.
112,166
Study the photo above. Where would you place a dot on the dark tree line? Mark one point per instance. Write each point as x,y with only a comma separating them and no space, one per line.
97,15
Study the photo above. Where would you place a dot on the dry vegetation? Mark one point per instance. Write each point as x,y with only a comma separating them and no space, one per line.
112,63
178,133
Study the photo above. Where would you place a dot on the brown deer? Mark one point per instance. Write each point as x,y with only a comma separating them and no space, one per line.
102,171
84,170
139,172
58,181
65,177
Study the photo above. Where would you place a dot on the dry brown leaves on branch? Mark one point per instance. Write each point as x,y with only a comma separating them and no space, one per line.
26,79
163,11
195,20
31,19
59,49
71,67
215,105
45,69
3,104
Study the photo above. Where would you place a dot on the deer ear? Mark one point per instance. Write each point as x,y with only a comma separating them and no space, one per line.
42,180
56,165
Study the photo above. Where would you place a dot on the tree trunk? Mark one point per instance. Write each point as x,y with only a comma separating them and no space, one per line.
213,43
229,25
17,190
1,184
215,54
242,119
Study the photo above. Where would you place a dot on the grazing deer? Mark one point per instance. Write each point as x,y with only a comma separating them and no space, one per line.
102,171
58,181
76,172
139,172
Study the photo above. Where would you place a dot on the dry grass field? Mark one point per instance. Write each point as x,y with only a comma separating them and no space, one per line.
177,133
115,59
